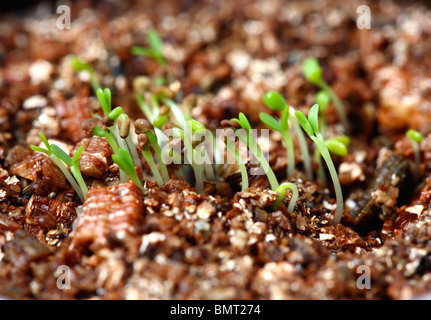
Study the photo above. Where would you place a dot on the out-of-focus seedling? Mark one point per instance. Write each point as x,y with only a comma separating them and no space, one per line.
154,49
415,138
80,65
313,72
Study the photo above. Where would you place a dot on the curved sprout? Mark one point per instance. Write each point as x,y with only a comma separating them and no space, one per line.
282,190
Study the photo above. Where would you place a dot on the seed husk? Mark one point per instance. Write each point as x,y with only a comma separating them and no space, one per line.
142,126
123,126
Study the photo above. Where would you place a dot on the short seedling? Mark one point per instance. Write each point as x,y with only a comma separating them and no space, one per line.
154,51
119,156
80,65
114,119
312,71
249,140
59,156
415,138
311,127
336,145
275,101
104,97
147,138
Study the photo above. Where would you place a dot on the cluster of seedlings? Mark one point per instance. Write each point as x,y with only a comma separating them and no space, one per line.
169,122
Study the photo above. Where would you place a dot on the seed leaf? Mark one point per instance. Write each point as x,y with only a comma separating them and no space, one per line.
107,94
44,140
141,51
414,135
270,121
61,154
123,159
102,100
285,118
39,149
80,65
312,70
196,125
274,100
155,42
322,98
114,114
313,118
75,158
336,147
343,139
303,121
242,121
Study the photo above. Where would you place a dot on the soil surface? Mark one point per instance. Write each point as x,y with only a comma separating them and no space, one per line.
171,242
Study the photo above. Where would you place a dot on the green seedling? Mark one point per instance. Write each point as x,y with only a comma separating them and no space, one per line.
415,138
201,168
122,133
147,139
60,157
311,127
154,49
106,133
336,145
119,128
282,190
249,140
313,72
80,65
276,102
125,162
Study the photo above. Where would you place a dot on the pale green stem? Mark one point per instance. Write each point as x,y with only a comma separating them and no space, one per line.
337,104
417,155
163,168
78,176
320,143
233,150
133,152
149,158
320,171
303,146
257,152
287,138
121,143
